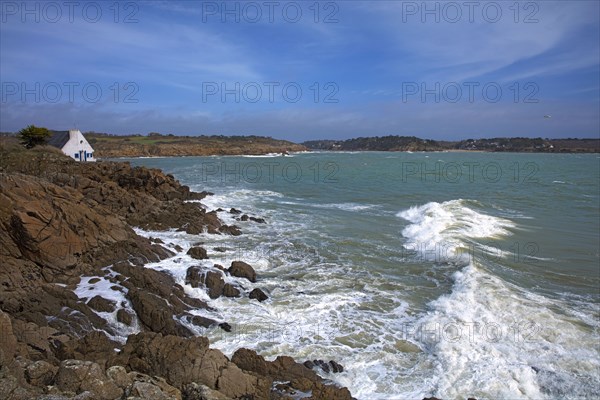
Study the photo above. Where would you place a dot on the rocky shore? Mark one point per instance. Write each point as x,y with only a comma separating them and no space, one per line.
65,224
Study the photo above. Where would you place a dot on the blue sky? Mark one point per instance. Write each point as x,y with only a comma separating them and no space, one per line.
303,70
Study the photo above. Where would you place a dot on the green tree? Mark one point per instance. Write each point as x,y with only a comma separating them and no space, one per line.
33,136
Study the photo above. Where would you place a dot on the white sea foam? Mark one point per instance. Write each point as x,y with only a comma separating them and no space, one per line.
442,231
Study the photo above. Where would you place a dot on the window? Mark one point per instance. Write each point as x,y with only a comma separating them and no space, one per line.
76,155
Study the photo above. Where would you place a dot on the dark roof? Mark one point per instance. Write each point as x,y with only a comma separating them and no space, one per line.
59,139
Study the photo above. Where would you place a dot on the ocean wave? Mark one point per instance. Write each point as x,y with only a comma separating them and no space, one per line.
439,231
493,339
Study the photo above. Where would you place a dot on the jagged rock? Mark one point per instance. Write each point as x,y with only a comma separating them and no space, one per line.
225,326
234,211
242,270
244,217
193,276
94,346
214,283
79,376
336,367
195,391
40,373
8,341
198,253
231,291
212,280
125,317
119,376
156,313
101,304
230,229
258,220
258,294
199,320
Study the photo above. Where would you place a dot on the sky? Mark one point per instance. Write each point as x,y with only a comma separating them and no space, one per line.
303,70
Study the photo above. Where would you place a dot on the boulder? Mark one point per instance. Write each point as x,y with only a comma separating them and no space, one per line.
193,276
40,373
242,270
156,313
258,294
231,291
199,253
79,376
125,317
101,304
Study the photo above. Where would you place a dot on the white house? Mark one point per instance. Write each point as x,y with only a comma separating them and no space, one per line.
73,144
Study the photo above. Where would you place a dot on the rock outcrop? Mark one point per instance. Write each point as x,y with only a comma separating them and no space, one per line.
61,221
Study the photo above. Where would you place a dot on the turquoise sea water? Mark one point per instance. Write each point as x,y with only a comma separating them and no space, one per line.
446,274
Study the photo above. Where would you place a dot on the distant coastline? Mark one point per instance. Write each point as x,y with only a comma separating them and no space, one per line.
157,145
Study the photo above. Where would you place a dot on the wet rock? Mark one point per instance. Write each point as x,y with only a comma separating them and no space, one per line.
193,277
198,253
323,365
242,270
94,280
225,326
220,249
125,317
230,229
231,291
258,220
101,304
244,217
214,283
335,367
156,313
234,211
258,294
309,364
199,320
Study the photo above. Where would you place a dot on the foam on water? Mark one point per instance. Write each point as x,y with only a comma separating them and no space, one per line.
442,231
491,339
324,305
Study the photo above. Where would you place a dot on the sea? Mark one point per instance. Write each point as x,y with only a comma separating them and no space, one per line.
450,274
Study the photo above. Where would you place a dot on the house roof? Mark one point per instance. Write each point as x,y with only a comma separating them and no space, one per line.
59,139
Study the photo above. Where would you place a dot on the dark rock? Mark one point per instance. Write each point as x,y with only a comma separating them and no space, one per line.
193,276
199,320
234,211
125,317
222,268
225,326
214,283
220,249
101,304
94,280
242,270
178,248
258,294
309,364
219,209
156,240
323,365
335,367
230,229
244,217
198,253
231,291
156,313
258,220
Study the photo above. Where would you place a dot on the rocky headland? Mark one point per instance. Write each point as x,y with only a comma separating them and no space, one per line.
63,222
